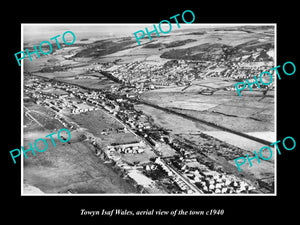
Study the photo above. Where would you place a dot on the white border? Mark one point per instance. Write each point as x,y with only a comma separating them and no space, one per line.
143,24
275,110
22,112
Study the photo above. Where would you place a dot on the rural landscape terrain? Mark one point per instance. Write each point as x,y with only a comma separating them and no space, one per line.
162,117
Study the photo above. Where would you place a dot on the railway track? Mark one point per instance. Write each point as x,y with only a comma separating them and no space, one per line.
219,127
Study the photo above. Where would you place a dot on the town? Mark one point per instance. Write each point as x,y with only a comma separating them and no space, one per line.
182,73
182,170
162,117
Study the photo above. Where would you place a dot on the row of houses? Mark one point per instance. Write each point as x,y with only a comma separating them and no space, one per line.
131,148
174,177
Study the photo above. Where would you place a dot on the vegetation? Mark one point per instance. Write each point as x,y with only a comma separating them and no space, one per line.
154,45
219,51
169,45
179,43
103,47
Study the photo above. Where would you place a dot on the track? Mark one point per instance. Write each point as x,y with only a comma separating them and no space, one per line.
207,123
27,113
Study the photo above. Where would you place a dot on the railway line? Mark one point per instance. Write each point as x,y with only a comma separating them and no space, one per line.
176,173
219,127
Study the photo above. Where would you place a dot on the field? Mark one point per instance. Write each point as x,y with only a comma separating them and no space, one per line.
70,166
249,113
104,47
53,59
74,165
44,116
97,122
78,74
100,83
171,121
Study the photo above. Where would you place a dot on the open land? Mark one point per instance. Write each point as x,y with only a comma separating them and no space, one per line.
71,166
159,118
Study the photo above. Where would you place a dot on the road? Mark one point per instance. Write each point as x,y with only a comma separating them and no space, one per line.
185,180
157,153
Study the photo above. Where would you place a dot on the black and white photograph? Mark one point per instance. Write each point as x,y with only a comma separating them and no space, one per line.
160,116
160,113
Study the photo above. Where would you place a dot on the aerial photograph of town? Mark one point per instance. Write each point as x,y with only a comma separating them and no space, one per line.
159,118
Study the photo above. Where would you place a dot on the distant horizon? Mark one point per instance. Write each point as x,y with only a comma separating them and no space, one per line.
42,32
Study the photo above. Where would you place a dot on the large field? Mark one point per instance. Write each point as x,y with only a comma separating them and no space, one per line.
70,166
73,165
249,113
97,122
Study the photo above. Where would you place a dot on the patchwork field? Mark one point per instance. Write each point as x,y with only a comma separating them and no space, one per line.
245,114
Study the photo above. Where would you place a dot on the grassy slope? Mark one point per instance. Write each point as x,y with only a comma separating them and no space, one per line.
71,166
